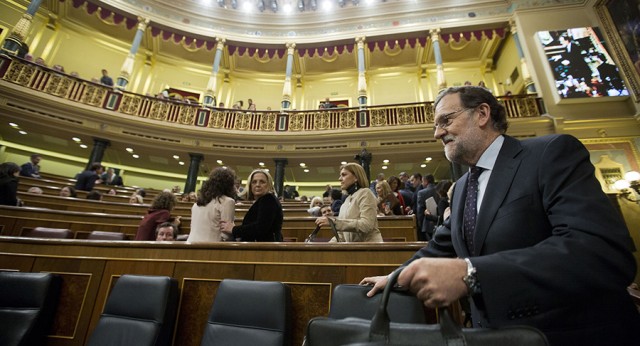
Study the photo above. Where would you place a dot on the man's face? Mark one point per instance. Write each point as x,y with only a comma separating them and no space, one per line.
460,135
326,211
165,234
36,160
414,181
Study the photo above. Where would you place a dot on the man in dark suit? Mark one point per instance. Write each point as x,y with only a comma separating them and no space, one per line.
548,249
86,180
428,190
111,178
31,168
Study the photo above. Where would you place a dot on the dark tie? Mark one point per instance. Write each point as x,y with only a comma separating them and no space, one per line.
471,207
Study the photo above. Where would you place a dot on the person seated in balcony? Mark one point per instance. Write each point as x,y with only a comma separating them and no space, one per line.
31,168
86,180
68,191
214,204
166,231
158,213
9,172
41,62
105,79
251,106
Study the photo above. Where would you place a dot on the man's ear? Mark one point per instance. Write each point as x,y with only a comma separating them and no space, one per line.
484,114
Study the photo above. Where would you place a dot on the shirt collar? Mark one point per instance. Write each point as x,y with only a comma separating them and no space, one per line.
489,157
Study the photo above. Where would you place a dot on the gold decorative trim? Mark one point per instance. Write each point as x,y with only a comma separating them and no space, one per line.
620,54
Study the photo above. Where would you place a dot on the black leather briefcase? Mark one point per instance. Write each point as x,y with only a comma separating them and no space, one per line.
322,331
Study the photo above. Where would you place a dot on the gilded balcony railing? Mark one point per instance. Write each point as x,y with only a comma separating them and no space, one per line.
55,83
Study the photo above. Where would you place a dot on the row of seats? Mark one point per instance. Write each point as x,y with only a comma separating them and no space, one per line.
141,310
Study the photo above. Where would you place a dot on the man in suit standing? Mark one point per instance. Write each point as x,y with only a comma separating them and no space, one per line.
428,190
31,168
86,180
547,249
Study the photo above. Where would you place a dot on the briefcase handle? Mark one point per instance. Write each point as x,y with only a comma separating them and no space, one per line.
451,332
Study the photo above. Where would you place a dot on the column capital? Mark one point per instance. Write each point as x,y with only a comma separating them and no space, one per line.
290,45
220,43
435,34
361,39
512,26
142,23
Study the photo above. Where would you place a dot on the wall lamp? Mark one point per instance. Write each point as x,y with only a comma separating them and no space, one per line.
631,181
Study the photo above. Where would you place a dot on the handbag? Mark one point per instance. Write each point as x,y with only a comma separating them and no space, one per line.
313,234
323,331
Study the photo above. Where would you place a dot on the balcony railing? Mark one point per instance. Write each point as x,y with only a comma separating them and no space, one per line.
55,83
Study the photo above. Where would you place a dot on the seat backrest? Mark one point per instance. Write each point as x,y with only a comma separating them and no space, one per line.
27,307
250,313
140,310
44,232
101,235
352,301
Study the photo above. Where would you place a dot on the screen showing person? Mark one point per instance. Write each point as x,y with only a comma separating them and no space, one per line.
581,65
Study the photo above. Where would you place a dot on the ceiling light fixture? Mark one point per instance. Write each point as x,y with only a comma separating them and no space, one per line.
261,164
302,164
13,124
129,150
136,156
83,146
76,139
219,162
181,163
22,132
176,157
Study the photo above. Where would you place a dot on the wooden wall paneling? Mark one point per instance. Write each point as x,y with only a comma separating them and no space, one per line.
22,263
80,282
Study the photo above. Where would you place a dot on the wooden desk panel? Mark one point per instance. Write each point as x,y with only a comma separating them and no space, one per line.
90,268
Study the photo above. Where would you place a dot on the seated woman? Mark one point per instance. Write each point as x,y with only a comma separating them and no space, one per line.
9,172
160,212
214,204
314,206
394,184
68,191
136,199
357,221
388,203
263,221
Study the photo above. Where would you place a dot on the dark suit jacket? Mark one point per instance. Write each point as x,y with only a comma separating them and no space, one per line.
425,225
553,253
86,180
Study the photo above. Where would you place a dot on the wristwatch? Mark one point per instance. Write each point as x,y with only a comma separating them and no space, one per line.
473,286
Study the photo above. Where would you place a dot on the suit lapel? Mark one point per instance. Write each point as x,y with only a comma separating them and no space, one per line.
498,186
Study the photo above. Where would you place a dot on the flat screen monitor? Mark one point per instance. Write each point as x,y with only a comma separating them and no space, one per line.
581,65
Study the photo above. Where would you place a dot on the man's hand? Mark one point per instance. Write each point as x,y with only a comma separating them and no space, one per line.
435,281
378,283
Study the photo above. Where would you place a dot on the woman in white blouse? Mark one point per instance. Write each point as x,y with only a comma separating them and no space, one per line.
215,203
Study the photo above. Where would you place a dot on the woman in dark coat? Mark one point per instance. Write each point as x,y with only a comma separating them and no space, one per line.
9,184
263,221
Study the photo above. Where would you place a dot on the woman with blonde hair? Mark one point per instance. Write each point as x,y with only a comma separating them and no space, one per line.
214,204
357,220
263,221
388,203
